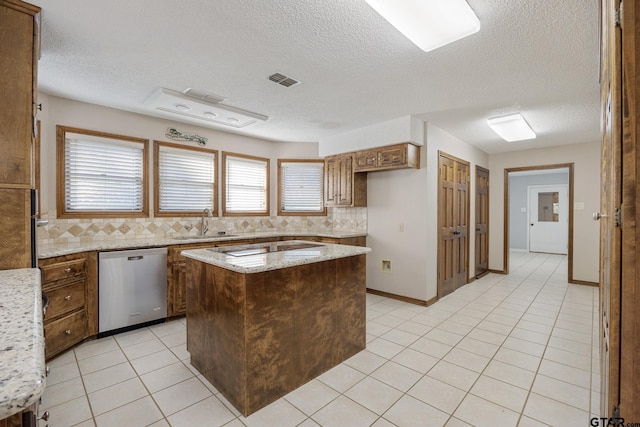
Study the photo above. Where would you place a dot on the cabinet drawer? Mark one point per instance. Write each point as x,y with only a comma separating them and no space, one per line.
66,299
62,270
63,333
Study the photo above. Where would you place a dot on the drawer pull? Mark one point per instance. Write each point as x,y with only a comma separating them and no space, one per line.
45,416
67,270
47,370
68,332
67,298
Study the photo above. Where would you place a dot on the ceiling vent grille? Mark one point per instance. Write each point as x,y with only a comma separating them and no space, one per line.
203,96
283,80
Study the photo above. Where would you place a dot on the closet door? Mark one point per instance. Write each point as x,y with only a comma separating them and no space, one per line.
453,223
482,222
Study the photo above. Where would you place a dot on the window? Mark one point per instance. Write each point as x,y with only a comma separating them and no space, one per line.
101,174
185,180
245,185
301,187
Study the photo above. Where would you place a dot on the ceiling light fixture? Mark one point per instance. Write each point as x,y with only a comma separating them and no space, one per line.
202,109
512,127
429,24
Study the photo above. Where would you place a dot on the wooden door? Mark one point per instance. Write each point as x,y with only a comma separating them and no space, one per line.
610,198
453,220
482,222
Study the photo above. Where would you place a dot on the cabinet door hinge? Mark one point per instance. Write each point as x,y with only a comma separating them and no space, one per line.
617,217
618,16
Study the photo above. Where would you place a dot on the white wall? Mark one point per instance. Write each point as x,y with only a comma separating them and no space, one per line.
586,160
61,111
402,129
409,197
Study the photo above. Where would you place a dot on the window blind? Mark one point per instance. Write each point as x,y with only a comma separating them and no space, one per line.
246,185
186,180
301,187
103,176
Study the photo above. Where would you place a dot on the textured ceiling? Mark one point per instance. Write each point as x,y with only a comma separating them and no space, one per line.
539,57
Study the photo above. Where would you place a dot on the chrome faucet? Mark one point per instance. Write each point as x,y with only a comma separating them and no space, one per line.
204,224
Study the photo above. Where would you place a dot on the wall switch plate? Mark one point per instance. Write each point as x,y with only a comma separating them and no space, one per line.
385,265
401,227
579,206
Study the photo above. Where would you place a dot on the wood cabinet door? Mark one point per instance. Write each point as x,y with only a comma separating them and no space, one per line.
345,180
453,220
15,228
482,222
331,177
365,160
391,157
17,63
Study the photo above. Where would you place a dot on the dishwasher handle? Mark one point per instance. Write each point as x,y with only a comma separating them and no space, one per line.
135,258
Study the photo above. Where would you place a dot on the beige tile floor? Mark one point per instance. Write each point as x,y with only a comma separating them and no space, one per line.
505,350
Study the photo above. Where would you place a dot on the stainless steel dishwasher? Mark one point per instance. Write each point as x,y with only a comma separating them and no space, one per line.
132,288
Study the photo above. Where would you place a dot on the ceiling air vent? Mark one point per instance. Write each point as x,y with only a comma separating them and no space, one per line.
203,96
283,80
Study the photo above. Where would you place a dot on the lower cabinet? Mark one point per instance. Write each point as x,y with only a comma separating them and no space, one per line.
26,418
65,282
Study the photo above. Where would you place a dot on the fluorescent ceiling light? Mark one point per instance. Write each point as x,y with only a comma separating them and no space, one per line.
429,24
168,101
512,127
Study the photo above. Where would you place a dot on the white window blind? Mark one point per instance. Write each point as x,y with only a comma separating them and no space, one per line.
246,185
103,176
186,180
301,187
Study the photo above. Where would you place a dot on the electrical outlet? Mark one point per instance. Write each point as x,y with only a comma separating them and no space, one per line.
385,265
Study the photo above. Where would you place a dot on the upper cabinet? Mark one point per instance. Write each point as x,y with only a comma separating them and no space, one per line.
399,156
345,178
342,187
19,27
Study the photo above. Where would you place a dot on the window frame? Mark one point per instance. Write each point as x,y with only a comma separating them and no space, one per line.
61,206
282,212
156,180
225,212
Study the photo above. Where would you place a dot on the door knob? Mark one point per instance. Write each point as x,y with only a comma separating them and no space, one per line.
598,215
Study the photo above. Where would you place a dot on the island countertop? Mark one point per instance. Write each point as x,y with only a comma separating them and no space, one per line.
259,257
22,366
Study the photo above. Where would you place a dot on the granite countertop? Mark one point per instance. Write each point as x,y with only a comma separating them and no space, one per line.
48,251
261,257
22,367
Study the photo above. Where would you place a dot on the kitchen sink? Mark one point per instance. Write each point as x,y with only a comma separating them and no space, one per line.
203,237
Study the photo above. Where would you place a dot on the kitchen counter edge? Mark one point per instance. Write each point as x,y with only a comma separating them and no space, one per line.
275,260
22,364
50,251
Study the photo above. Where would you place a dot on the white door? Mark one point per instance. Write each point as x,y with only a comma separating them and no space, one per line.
548,218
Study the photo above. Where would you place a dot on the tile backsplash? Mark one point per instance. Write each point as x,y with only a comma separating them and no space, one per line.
62,231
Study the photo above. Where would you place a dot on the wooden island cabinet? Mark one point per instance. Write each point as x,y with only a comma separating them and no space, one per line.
271,317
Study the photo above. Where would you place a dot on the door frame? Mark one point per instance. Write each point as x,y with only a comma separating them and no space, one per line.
505,243
529,209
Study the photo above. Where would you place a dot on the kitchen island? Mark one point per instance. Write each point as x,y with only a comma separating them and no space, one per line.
264,319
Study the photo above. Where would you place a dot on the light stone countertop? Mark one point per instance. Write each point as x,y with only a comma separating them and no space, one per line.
49,251
22,366
256,258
